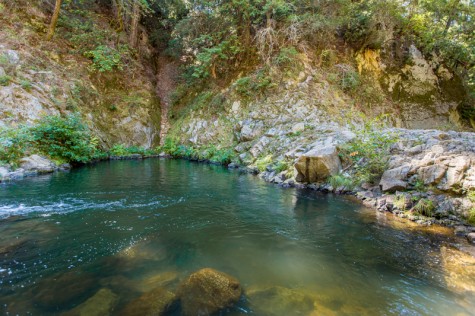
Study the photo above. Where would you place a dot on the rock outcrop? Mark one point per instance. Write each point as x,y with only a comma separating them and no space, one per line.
442,160
208,291
37,164
318,164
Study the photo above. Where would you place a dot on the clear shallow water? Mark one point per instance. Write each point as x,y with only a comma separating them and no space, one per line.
130,226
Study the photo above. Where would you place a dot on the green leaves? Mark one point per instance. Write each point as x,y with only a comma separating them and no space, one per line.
62,138
369,152
105,58
66,138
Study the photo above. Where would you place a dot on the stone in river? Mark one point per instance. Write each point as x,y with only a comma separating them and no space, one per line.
154,303
208,291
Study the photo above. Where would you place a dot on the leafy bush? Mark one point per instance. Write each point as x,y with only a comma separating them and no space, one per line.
425,207
14,144
369,152
400,201
254,85
105,58
65,138
61,138
122,150
25,84
281,166
223,156
350,80
340,180
263,162
5,80
170,146
471,212
287,57
118,150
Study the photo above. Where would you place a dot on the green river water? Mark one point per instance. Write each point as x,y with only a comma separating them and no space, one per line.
130,226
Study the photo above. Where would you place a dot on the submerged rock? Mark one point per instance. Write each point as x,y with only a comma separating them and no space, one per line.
101,304
65,289
154,303
207,291
158,280
459,270
318,164
279,300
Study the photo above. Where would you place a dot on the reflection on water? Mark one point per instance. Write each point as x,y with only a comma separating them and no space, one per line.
104,235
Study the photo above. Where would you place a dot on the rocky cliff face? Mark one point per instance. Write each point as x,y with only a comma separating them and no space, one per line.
48,78
308,118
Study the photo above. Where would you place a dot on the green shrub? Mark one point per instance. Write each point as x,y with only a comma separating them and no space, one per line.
349,80
281,166
14,144
25,84
170,146
118,150
369,152
263,162
400,201
105,58
287,57
254,85
223,156
425,207
340,180
471,212
5,80
65,138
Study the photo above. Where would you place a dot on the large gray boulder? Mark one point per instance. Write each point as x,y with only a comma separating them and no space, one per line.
318,164
35,163
394,179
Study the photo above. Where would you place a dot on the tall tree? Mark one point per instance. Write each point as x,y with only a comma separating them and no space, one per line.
54,20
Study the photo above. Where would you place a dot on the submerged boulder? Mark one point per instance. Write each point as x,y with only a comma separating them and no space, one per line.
35,163
154,303
101,304
279,300
61,290
207,291
318,164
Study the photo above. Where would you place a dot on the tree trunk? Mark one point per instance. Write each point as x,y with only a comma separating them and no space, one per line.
134,24
54,20
451,16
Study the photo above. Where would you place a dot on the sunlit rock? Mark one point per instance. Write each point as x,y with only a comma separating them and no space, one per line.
208,291
318,164
35,163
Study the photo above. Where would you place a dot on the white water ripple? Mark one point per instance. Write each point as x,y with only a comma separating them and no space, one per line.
71,204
